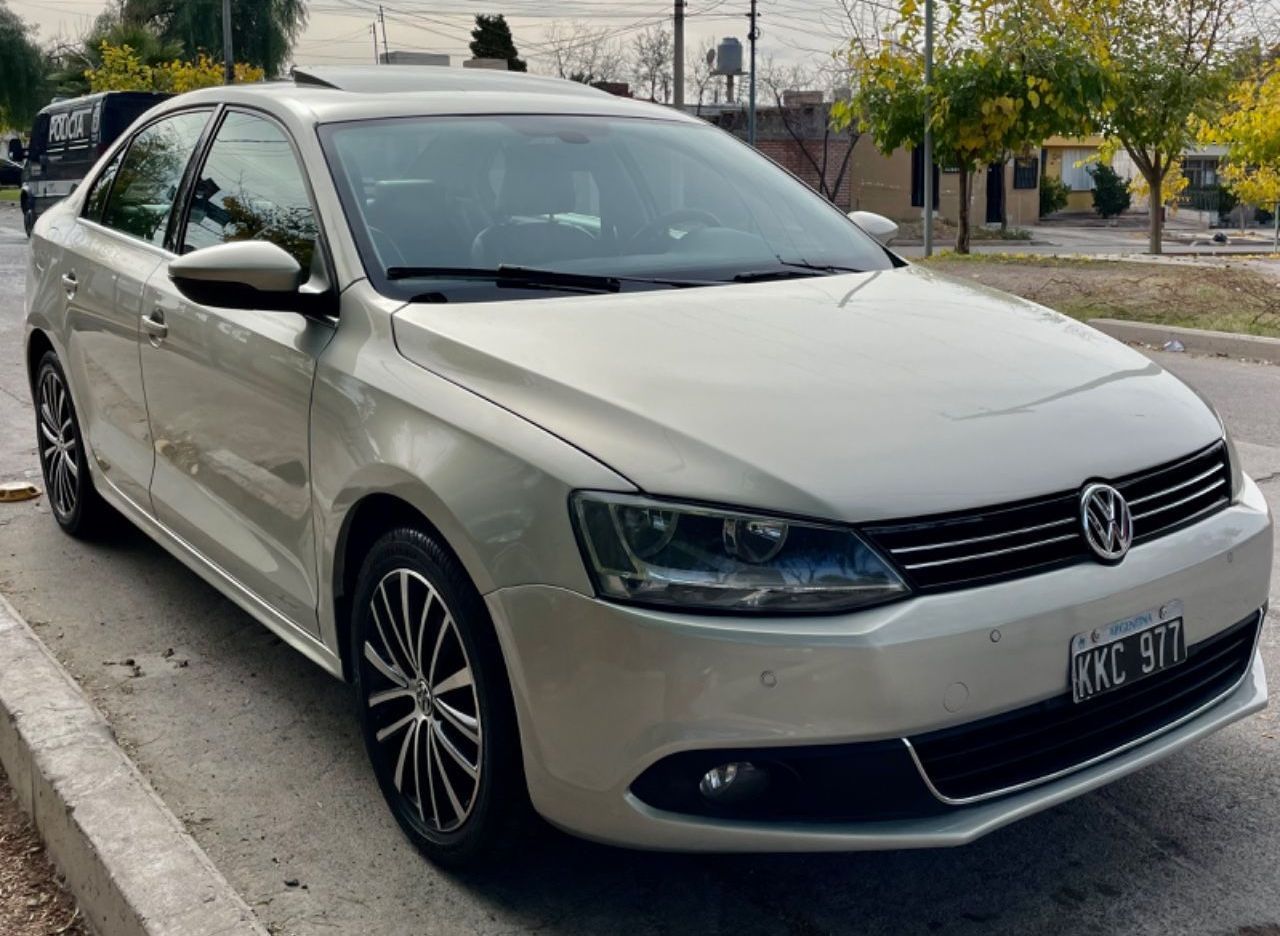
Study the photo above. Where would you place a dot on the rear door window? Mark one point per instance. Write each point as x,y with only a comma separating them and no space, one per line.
146,184
97,198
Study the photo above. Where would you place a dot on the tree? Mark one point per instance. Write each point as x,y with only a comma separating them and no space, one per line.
122,69
1250,128
22,82
1007,74
700,78
804,122
582,52
651,61
263,32
1165,63
1110,191
110,30
491,38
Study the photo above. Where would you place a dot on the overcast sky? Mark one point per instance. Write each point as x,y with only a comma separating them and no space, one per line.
339,31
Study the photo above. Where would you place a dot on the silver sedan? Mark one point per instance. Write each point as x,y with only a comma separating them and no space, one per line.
623,476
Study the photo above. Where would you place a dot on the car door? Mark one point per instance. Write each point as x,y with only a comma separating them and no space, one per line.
229,390
108,254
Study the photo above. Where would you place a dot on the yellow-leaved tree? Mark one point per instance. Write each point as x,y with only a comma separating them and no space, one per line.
1249,127
123,70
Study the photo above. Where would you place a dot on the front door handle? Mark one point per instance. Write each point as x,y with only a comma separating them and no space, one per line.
70,284
155,327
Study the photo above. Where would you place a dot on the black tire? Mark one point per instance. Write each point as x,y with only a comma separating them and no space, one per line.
73,500
453,818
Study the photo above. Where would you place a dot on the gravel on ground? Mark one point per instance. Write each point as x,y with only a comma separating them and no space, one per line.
1222,295
33,901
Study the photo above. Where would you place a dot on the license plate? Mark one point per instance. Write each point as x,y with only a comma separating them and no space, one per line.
1123,652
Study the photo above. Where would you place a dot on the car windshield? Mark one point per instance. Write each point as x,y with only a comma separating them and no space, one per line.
492,207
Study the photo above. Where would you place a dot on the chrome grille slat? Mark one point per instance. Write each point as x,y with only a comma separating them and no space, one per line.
987,555
1177,487
985,539
947,552
1178,503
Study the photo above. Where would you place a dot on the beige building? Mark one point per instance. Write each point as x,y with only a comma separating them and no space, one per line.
799,139
893,186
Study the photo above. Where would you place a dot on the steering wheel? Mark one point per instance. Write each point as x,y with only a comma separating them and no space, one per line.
656,230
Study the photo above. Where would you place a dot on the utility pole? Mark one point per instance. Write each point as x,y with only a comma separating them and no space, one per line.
382,18
228,55
677,60
753,35
373,28
928,128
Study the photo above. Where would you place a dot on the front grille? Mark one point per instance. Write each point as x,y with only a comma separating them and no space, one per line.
1058,735
1012,540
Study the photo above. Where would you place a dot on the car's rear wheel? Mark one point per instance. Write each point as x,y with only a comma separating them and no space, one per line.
75,503
434,702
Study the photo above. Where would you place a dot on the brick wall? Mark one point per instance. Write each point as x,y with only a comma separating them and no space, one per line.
791,156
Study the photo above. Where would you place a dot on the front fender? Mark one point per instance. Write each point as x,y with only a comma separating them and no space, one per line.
494,485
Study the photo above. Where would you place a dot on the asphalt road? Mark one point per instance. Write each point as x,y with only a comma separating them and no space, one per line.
258,752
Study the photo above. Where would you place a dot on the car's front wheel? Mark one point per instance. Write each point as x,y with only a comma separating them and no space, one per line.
434,702
75,502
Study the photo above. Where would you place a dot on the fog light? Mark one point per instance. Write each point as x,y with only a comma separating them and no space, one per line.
734,782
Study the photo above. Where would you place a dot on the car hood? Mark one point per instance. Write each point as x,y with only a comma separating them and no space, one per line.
857,397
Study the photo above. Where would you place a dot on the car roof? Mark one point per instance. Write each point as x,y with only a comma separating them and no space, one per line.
325,94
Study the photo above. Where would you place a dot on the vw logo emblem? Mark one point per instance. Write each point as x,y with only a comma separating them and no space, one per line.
1108,525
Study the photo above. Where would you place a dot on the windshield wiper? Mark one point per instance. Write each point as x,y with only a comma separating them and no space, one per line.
796,269
523,277
827,268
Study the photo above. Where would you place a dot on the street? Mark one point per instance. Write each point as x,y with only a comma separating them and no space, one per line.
258,752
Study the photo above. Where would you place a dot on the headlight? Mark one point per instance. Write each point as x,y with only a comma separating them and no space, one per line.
695,557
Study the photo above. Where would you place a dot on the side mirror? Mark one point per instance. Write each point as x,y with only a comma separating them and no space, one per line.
878,226
251,274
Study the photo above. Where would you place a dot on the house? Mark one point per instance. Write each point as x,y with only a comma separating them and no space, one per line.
798,137
1069,158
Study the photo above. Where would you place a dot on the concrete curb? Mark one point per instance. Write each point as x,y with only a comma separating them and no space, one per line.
1252,347
131,866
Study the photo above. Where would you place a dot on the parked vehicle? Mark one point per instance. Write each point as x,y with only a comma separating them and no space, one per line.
621,474
67,139
10,172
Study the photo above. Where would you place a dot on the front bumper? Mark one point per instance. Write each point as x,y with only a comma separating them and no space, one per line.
603,691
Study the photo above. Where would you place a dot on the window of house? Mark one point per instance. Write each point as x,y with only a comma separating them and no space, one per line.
1075,168
1026,172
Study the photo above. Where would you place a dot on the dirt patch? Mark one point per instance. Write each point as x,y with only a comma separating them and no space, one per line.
32,899
1228,297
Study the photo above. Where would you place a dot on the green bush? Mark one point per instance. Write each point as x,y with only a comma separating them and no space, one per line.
1053,195
1110,192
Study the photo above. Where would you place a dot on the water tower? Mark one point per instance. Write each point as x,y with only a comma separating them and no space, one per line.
728,63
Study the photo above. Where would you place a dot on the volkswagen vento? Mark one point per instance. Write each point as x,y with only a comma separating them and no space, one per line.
622,475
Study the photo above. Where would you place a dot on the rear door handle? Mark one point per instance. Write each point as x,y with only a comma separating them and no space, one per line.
70,283
155,327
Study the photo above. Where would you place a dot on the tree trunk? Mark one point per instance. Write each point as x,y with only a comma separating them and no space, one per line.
962,231
1275,241
1155,227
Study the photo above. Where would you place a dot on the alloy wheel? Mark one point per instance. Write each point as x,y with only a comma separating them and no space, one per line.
422,701
59,447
